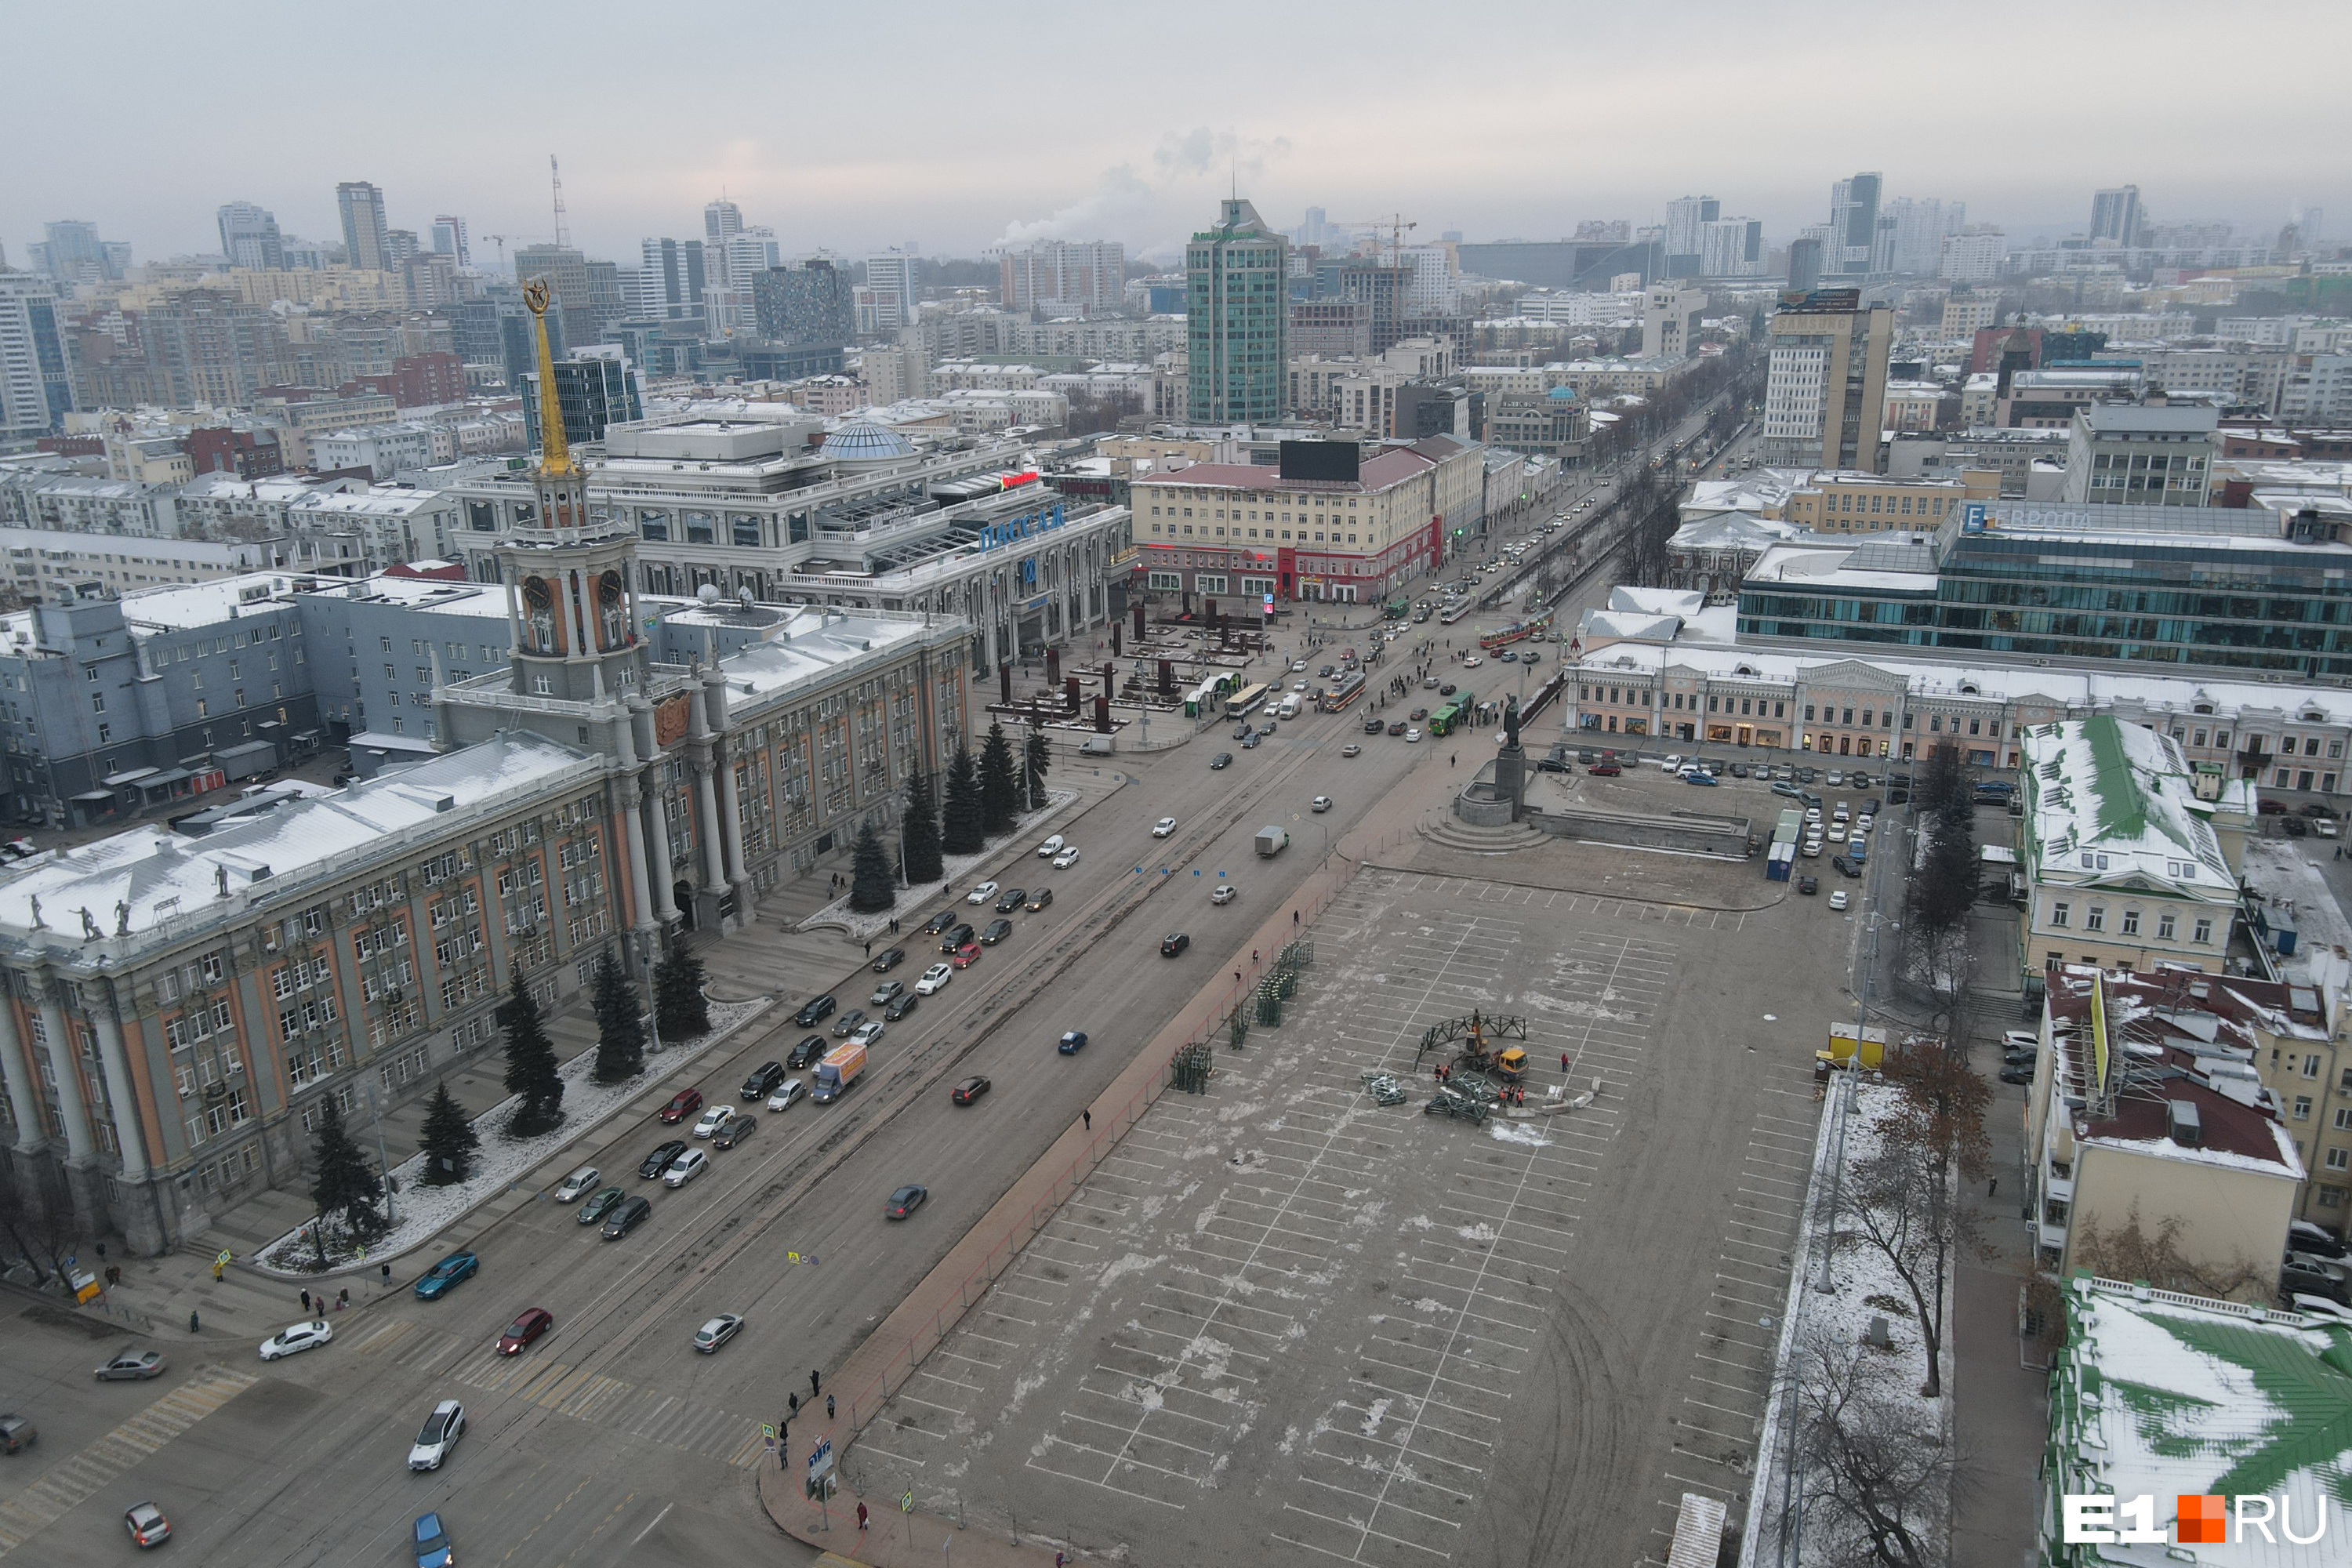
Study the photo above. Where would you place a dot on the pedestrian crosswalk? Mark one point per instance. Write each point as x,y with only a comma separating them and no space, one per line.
569,1389
75,1480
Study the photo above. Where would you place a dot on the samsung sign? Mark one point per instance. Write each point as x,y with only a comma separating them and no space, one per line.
1003,534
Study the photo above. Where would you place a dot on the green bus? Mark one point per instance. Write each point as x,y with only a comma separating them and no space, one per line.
1455,711
1397,609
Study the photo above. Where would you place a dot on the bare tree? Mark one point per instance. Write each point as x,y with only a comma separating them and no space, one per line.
1877,1477
2130,1251
1904,1204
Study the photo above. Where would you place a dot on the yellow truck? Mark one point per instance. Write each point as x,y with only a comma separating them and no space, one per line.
1850,1044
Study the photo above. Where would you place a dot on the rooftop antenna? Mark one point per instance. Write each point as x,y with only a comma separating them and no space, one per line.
563,229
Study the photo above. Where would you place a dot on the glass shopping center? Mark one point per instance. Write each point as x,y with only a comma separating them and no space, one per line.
2254,588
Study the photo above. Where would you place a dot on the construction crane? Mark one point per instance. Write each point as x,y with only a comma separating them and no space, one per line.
1395,223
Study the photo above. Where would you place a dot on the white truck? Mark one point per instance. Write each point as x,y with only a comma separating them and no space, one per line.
1290,707
1271,842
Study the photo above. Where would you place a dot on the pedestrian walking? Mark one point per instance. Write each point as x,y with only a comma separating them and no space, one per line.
792,1402
387,1273
342,1297
870,949
1563,1061
216,1272
192,1323
812,1389
828,1407
861,1516
1294,916
1088,1118
1992,1186
306,1301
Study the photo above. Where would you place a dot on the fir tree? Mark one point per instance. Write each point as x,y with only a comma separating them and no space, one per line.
1041,761
919,832
342,1181
872,888
449,1140
620,1025
681,1010
999,783
963,826
530,1065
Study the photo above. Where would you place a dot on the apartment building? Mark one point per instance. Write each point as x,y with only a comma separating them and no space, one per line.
1825,389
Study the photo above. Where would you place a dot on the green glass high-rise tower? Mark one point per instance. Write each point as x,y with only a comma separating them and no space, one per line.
1238,310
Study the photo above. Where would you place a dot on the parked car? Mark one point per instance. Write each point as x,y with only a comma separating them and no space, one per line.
296,1338
736,1131
813,1012
969,1091
654,1163
2294,1280
2020,1073
447,1275
807,1053
1838,900
1604,770
578,1185
891,961
1808,885
527,1328
1173,944
717,1332
1843,866
905,1201
2302,1235
2294,827
1706,779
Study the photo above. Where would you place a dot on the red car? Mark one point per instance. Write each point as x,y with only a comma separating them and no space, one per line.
683,1104
1604,770
966,956
535,1321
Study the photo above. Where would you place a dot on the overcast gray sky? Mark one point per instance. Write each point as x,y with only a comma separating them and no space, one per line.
855,126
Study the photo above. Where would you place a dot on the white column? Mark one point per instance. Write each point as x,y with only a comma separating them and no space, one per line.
706,797
121,1096
657,820
67,1069
730,813
640,874
24,1088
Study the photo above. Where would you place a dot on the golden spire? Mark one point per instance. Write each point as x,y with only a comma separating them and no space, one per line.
555,453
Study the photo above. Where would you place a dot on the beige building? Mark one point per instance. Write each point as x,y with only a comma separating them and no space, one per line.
1966,314
2144,1108
2130,859
1848,503
1911,406
1826,389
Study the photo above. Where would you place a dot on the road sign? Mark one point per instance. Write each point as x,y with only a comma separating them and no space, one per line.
906,1503
820,1461
223,1258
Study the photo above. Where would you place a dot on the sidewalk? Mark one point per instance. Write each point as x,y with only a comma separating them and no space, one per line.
933,1307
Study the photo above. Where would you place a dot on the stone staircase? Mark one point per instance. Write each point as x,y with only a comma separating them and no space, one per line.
1448,832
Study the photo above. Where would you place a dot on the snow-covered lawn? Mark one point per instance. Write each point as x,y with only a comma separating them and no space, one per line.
953,873
420,1212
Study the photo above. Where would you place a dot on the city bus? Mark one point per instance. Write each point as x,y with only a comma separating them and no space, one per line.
1247,700
1456,710
1344,691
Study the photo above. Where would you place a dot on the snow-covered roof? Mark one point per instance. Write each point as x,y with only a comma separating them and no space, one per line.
149,886
1658,601
2179,1396
2109,804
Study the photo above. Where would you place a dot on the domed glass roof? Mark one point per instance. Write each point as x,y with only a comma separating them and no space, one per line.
865,442
1562,393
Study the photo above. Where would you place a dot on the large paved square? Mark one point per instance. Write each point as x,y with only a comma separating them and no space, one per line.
1282,1318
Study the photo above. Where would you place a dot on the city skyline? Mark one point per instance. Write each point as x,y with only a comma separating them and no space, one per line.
961,174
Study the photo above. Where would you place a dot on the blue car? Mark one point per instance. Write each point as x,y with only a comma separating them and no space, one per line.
445,1274
432,1543
1706,779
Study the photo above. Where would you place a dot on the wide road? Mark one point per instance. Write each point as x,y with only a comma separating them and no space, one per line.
612,1441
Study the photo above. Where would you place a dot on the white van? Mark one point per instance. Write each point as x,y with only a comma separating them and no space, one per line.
1096,746
1290,707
